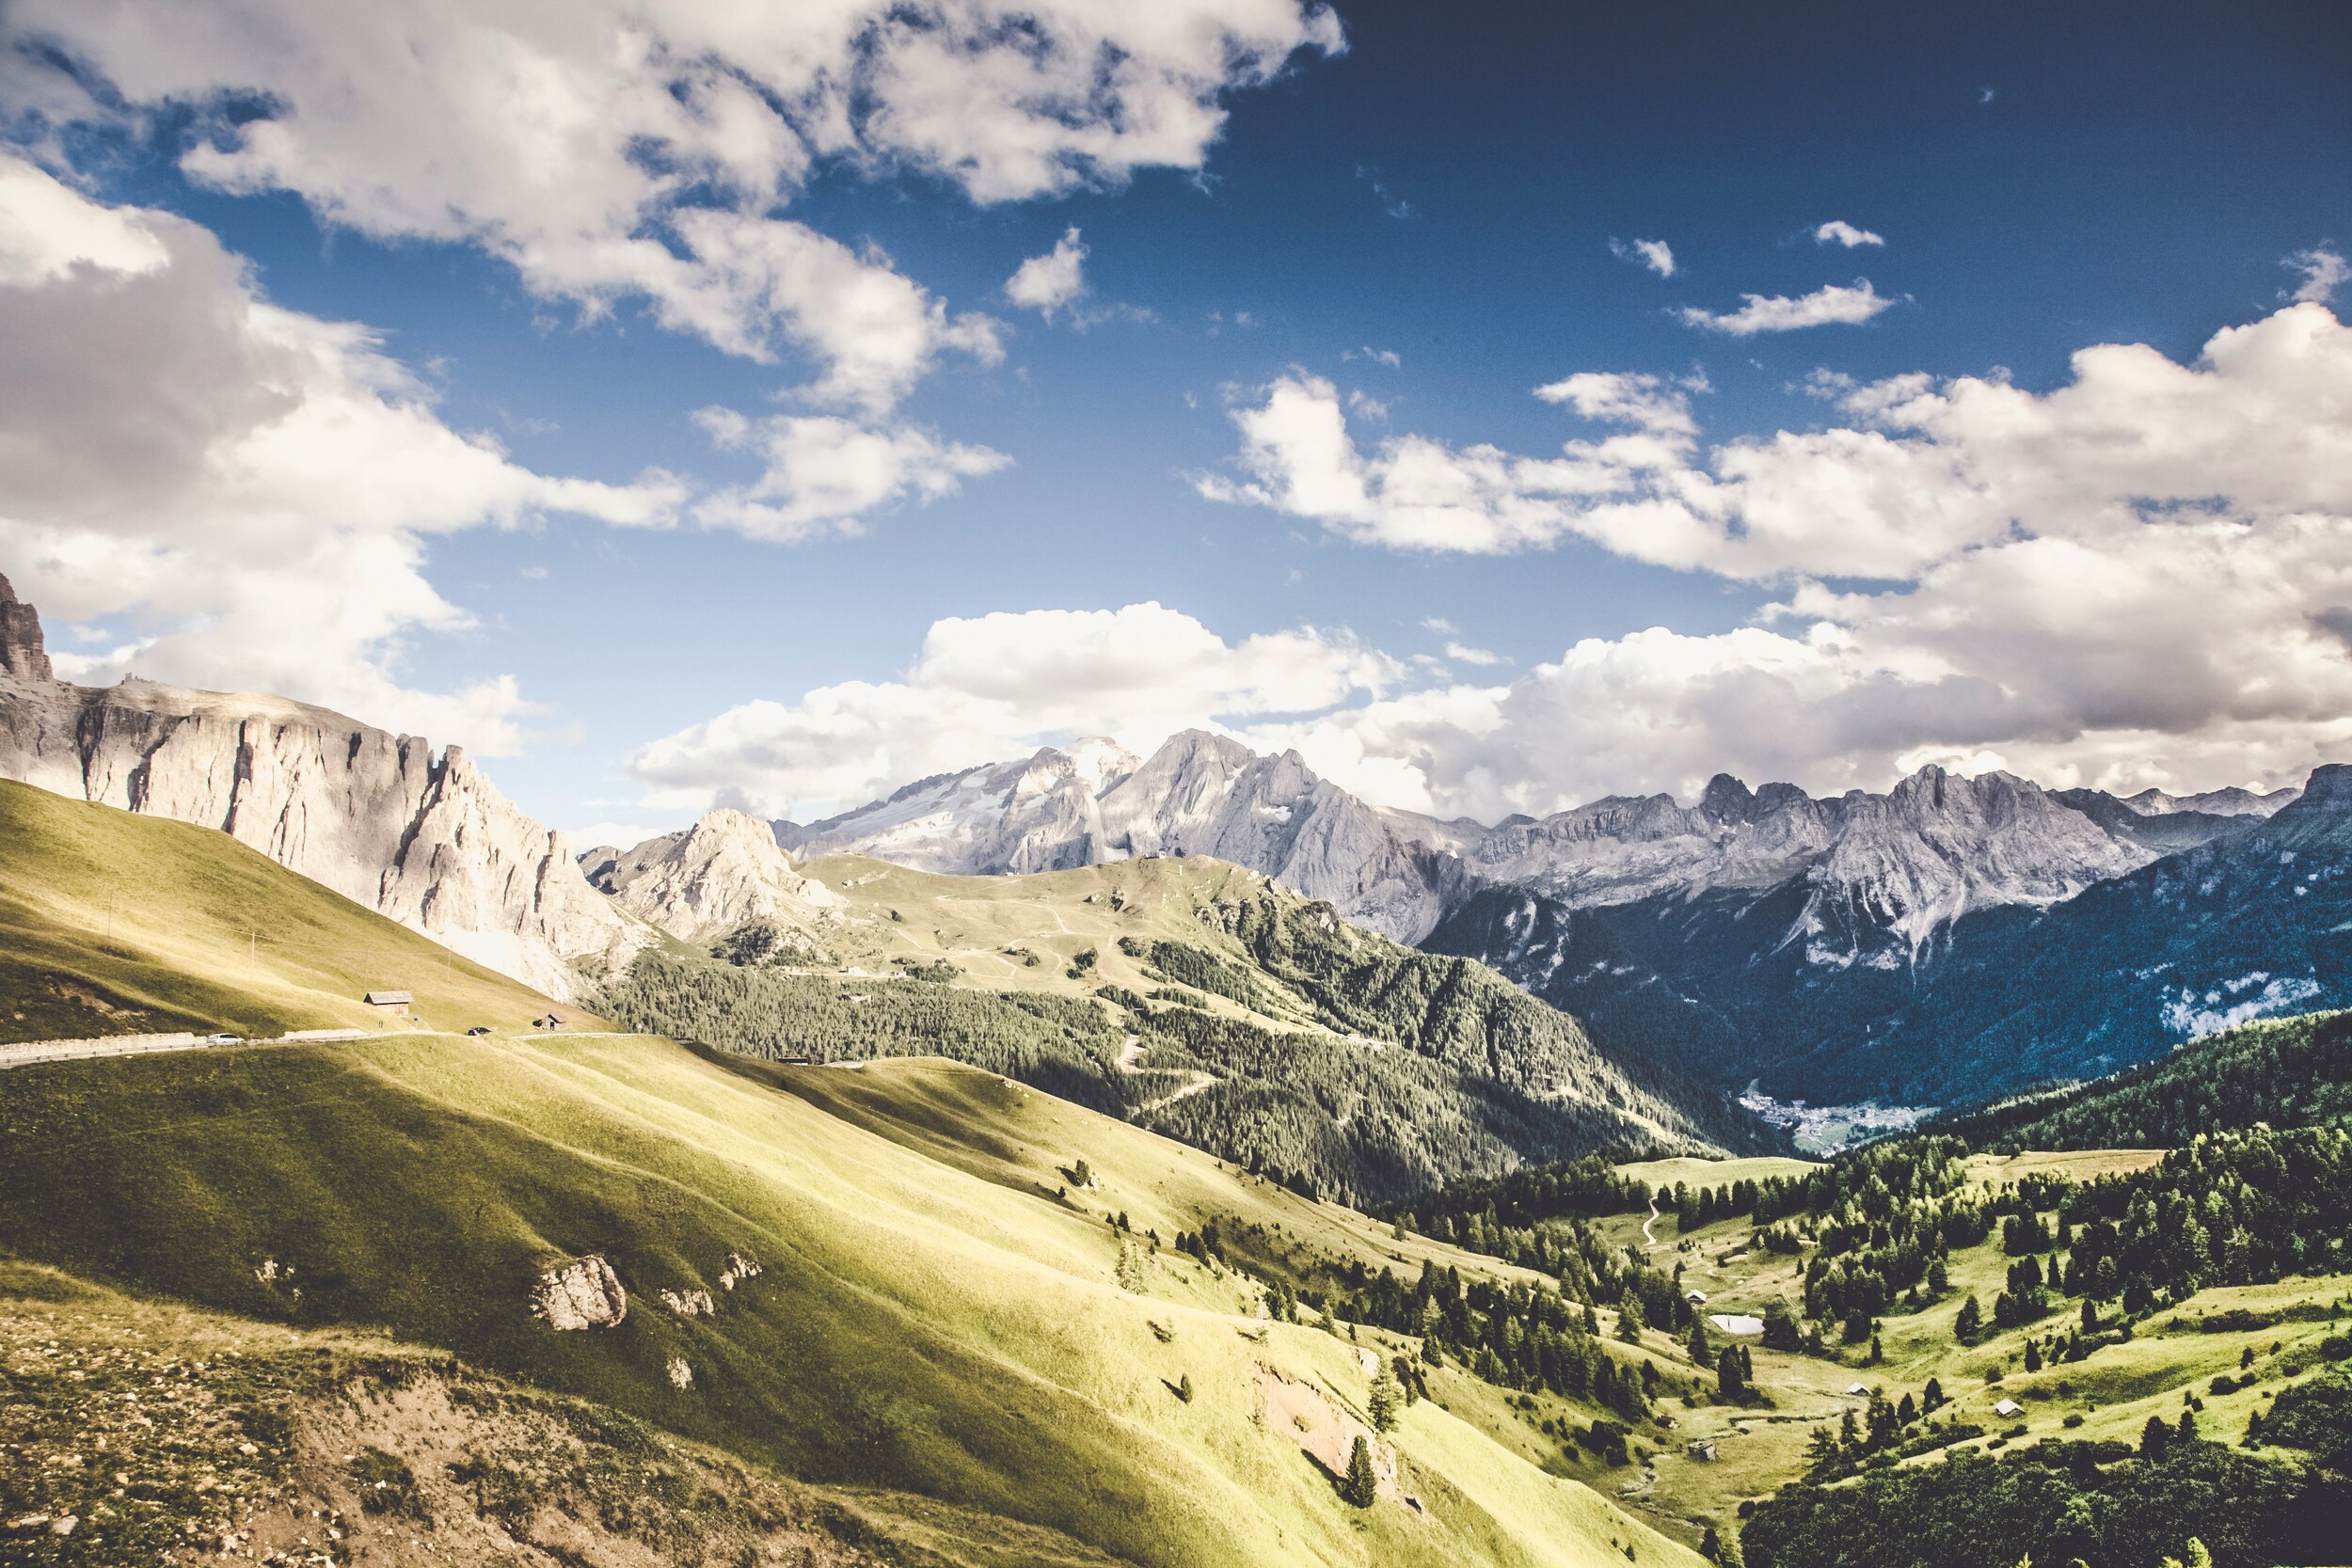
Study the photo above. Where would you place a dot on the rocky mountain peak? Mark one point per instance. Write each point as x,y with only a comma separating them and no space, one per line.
22,654
2325,796
724,871
1727,800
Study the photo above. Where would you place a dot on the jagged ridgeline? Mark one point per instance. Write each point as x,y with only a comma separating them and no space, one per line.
1221,1011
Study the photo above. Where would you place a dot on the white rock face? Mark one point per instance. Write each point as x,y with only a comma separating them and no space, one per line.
1200,794
1900,865
1043,813
584,1293
380,818
700,884
2216,802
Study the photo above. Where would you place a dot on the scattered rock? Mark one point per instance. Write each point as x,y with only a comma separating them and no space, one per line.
584,1293
682,1375
738,1267
690,1304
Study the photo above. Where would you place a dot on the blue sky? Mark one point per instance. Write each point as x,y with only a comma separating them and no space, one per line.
1415,232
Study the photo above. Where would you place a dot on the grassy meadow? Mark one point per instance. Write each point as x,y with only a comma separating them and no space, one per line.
933,1320
116,924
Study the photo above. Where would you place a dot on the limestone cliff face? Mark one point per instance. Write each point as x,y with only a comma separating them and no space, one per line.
21,652
700,884
426,840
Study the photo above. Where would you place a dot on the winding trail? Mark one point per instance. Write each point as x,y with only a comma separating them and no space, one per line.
1131,1053
1649,1237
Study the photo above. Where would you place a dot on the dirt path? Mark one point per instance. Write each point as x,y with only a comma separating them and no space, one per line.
1131,1053
1649,1237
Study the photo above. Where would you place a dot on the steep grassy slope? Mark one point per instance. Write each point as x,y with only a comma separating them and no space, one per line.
1208,1002
141,1433
115,924
937,1316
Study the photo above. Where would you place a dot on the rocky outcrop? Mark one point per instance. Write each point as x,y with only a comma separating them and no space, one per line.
420,837
23,653
584,1293
723,872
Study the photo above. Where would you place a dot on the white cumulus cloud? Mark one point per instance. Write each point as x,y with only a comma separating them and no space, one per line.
1833,305
250,487
1839,231
826,474
620,149
992,687
1046,283
2141,577
1656,255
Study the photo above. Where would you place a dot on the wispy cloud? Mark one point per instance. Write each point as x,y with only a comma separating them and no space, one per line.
2323,270
1387,357
1654,253
1479,656
1839,231
1832,305
1391,203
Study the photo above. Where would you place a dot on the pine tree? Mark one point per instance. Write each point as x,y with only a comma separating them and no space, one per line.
1730,1381
1629,1318
1361,1486
1849,1430
2154,1438
1386,1400
1931,1396
2187,1432
1184,1387
2033,1355
2254,1429
1701,1351
1711,1546
1970,1321
2090,1316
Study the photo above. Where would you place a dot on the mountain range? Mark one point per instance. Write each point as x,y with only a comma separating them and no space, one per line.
1762,937
1859,947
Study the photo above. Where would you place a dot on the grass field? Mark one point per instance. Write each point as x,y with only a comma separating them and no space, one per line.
988,927
1714,1173
116,924
2109,1395
935,1318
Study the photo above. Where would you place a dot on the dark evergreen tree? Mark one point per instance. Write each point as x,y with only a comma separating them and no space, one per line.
1361,1486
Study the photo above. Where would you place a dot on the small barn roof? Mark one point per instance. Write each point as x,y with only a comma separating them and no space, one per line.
2008,1408
1857,1387
388,999
1696,1298
1737,1322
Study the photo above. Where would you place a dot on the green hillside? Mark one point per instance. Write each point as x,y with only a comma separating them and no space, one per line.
943,1319
1204,1001
2284,1072
1908,1288
116,924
